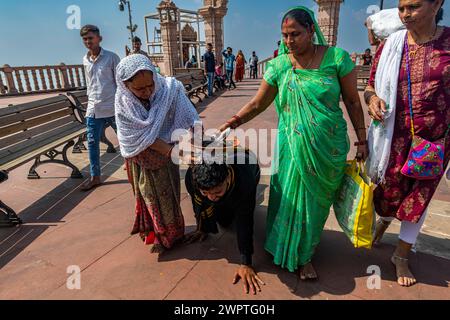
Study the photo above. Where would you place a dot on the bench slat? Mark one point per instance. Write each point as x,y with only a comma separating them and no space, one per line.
18,161
24,135
30,105
38,142
35,112
8,130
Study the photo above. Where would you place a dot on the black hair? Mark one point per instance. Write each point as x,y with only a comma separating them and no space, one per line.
440,14
208,176
137,40
229,48
302,17
89,28
209,44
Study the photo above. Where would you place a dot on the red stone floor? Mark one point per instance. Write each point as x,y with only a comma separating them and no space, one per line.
65,227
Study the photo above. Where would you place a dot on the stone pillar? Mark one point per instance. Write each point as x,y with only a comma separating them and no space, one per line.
10,79
328,19
213,11
168,13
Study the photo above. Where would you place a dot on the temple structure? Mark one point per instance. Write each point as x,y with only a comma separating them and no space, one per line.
328,19
178,35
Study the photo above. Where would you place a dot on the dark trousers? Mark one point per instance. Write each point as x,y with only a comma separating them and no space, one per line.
230,79
254,72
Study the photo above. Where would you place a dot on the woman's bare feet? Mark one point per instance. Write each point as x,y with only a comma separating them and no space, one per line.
404,276
400,260
307,272
157,248
380,229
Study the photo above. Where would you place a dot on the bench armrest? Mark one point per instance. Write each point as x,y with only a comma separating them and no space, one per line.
78,108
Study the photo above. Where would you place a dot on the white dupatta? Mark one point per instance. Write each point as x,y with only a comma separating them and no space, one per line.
386,83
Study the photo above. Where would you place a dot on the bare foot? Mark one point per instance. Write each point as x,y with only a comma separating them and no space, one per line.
380,229
157,248
404,276
92,183
307,272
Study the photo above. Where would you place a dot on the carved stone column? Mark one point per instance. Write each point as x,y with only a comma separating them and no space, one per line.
168,13
328,19
213,11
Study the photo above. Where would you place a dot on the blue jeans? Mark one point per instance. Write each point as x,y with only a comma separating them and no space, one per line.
95,128
210,76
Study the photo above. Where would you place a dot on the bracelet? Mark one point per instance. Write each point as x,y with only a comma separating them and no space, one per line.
361,143
235,121
238,119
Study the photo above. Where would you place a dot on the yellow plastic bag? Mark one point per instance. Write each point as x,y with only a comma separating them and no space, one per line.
353,206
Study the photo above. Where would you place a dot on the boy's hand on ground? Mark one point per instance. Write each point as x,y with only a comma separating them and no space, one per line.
196,236
249,277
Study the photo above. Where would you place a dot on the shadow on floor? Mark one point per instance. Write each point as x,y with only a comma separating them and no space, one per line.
46,212
339,265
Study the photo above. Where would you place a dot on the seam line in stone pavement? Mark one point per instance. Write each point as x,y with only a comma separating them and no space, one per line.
16,243
190,270
99,258
67,195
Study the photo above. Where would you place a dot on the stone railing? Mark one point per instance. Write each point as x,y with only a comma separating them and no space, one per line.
262,66
40,79
363,72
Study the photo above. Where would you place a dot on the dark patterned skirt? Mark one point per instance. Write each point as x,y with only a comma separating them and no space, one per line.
159,219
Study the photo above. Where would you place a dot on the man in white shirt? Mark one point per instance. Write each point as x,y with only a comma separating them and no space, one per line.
100,70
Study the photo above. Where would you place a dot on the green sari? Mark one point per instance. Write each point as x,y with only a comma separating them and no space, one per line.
310,156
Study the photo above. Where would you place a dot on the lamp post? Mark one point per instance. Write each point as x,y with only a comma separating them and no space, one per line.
132,27
381,4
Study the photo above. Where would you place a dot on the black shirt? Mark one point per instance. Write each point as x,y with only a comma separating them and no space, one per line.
210,62
237,204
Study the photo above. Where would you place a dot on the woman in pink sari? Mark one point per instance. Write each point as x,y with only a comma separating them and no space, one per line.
398,196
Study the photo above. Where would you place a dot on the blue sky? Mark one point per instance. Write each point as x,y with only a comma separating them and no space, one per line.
35,33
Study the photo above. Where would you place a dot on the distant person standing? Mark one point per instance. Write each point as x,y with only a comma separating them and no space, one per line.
229,66
254,65
100,69
367,58
194,61
240,66
275,53
210,67
137,45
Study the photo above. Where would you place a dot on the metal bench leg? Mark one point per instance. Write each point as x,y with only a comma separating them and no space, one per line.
105,140
51,155
79,146
8,217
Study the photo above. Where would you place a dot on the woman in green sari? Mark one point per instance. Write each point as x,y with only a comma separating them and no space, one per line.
306,81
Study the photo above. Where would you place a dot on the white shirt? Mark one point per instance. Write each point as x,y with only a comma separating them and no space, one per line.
101,83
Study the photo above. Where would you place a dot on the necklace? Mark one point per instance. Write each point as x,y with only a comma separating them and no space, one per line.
412,53
310,62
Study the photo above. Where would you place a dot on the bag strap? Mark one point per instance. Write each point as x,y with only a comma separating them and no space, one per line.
408,71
